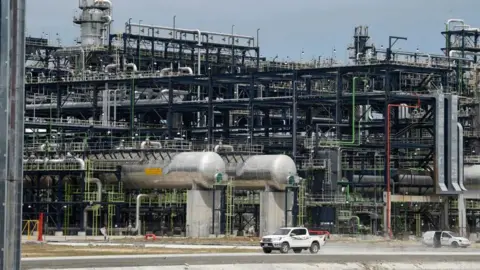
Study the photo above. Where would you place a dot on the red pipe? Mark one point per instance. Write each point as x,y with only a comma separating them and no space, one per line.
40,228
387,162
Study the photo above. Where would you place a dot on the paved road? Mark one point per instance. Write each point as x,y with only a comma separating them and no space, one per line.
250,258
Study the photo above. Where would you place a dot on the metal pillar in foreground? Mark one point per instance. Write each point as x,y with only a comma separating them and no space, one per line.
12,99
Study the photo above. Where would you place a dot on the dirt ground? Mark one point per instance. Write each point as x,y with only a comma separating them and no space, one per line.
227,241
45,250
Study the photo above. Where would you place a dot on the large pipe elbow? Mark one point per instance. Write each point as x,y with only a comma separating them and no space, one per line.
137,212
132,66
81,162
450,21
98,183
188,70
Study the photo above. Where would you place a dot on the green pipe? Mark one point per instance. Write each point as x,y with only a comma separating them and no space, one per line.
354,118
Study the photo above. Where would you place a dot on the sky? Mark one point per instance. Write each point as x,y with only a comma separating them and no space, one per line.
286,27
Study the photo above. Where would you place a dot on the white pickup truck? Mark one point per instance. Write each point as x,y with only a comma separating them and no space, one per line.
296,238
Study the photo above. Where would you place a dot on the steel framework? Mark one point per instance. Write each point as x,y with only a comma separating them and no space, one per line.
192,90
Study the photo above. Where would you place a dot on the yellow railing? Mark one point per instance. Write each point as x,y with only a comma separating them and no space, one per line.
29,226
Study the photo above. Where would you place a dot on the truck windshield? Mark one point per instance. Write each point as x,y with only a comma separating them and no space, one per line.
281,232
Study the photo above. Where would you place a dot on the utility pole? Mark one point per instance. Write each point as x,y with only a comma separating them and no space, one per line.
12,103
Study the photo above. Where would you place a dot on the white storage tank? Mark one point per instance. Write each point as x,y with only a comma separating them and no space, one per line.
184,170
260,171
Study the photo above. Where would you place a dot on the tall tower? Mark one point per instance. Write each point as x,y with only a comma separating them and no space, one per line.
359,48
94,20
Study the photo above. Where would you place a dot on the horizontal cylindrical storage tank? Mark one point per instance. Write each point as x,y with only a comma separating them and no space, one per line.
260,171
184,170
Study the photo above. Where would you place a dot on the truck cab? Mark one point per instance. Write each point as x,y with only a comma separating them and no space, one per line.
295,238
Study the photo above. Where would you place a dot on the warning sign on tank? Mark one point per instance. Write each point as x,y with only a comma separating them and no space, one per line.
153,171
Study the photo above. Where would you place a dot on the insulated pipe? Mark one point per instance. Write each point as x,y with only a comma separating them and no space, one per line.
82,52
137,212
450,21
175,92
422,54
190,31
99,199
132,66
144,144
187,69
80,161
464,27
459,52
109,67
223,146
108,2
387,161
164,71
460,157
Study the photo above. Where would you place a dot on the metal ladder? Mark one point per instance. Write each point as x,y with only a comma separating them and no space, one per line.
229,208
110,215
328,172
301,204
88,178
68,210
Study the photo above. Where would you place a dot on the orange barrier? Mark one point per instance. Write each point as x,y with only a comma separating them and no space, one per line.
153,236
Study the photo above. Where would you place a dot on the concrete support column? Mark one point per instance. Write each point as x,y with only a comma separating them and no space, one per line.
445,221
199,213
384,225
462,216
272,211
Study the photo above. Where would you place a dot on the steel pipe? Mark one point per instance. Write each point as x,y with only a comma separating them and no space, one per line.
387,160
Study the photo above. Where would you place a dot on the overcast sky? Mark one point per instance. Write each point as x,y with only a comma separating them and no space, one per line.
287,27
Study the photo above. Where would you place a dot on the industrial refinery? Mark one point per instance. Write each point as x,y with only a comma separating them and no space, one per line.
170,131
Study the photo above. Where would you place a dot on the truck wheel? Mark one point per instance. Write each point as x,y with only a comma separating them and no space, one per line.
314,248
455,245
297,250
267,250
284,248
